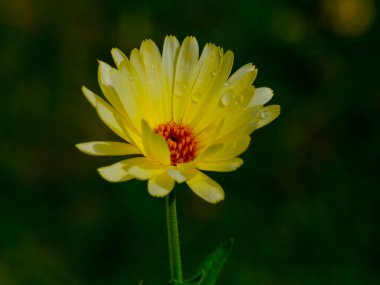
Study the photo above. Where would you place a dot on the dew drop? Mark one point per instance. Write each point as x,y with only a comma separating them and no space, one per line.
196,97
152,66
180,89
240,99
213,74
131,78
226,98
178,94
227,84
264,114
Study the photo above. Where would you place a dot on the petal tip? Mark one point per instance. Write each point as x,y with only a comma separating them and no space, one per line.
104,173
170,37
90,96
216,200
78,146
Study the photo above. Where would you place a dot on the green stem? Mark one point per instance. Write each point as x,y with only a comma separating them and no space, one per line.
173,237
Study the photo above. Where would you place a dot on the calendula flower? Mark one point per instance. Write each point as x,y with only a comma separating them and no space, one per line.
179,114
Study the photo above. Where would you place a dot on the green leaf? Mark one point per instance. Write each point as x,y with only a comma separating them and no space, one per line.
208,272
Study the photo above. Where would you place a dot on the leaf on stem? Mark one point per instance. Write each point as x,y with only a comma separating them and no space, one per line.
208,272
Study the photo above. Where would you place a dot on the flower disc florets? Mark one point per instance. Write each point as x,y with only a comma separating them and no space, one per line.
181,141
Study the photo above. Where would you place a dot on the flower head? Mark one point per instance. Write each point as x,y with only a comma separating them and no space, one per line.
178,114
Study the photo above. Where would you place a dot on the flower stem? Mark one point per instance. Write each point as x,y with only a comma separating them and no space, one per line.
173,237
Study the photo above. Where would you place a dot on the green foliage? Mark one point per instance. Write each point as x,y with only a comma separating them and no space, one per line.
209,270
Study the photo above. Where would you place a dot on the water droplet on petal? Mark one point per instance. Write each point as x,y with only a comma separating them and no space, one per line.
131,78
227,84
213,74
240,99
180,89
196,97
264,114
152,66
226,98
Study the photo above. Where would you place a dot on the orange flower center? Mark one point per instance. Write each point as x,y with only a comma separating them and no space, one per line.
180,139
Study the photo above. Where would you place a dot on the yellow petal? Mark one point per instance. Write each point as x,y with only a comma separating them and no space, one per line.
156,84
145,170
185,76
147,106
226,151
155,145
137,91
106,85
209,152
208,71
90,96
224,72
267,115
201,93
235,147
114,89
111,118
126,118
181,172
262,96
169,59
235,95
139,66
243,99
242,78
118,56
107,148
206,136
107,114
119,171
220,166
238,124
117,89
211,109
206,188
187,170
204,55
229,149
176,174
160,185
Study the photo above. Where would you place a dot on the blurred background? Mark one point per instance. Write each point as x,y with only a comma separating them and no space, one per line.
303,208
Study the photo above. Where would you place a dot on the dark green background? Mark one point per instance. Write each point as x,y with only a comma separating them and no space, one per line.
303,208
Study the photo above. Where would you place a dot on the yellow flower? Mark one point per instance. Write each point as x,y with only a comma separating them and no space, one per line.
178,114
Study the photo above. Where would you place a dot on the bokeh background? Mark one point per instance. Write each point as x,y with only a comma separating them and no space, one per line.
303,208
